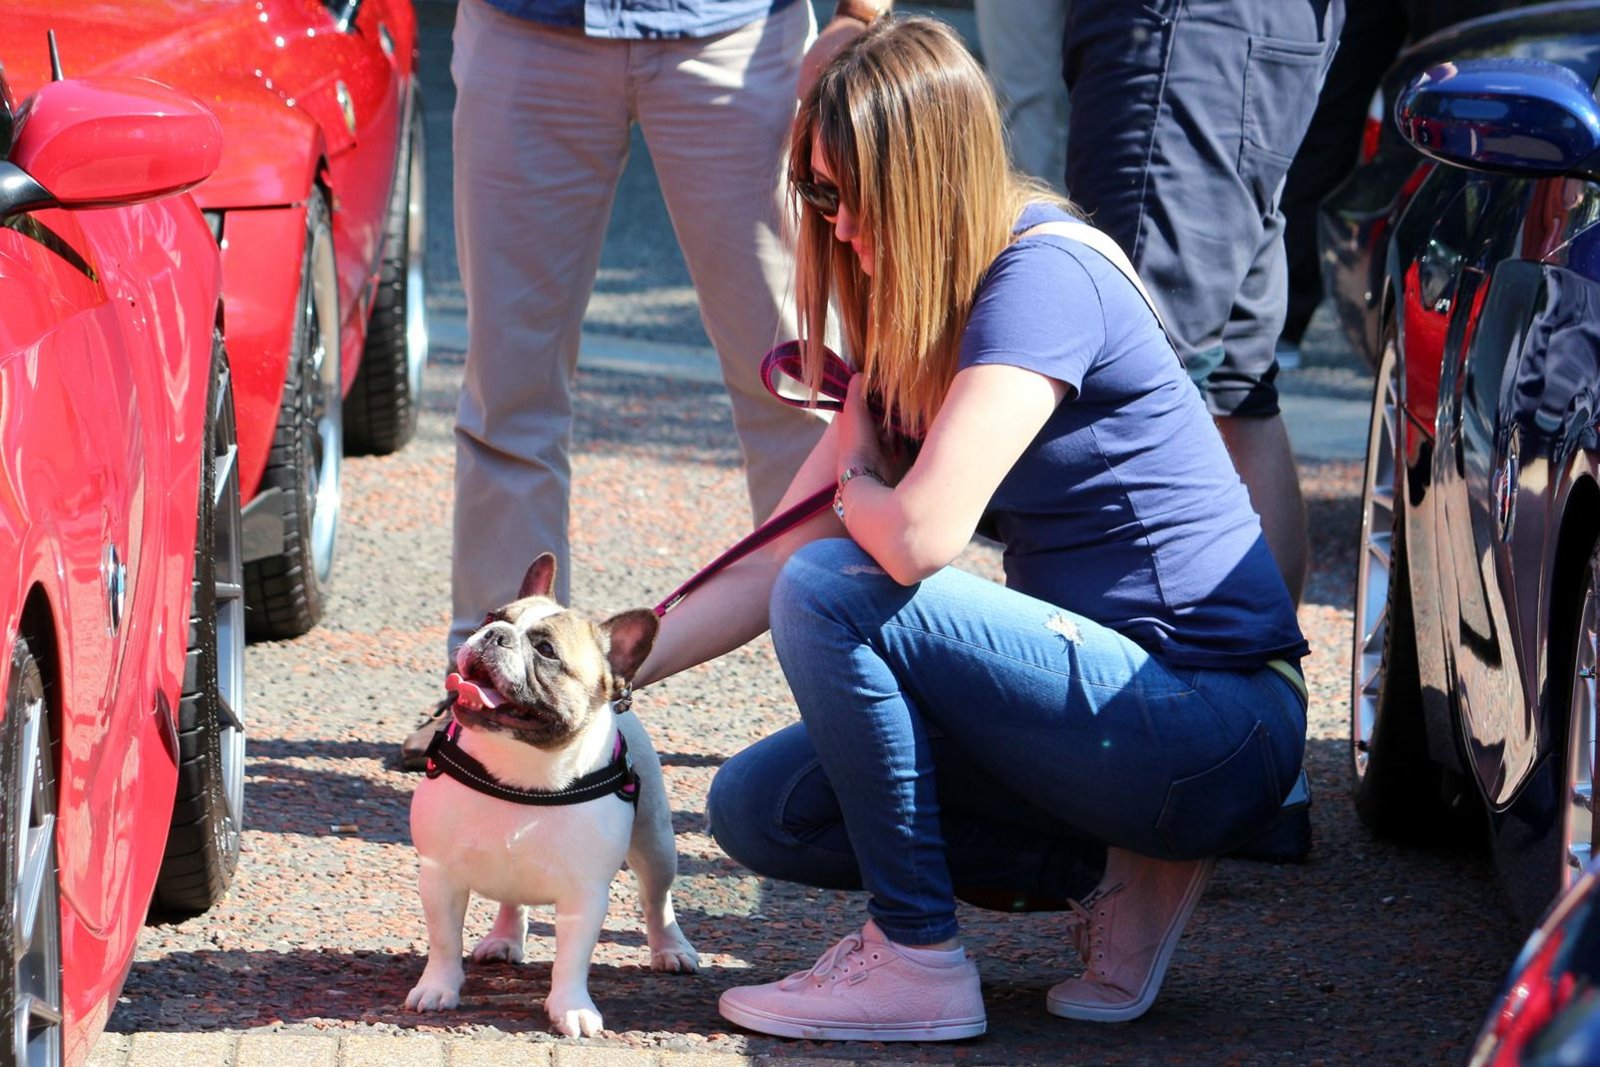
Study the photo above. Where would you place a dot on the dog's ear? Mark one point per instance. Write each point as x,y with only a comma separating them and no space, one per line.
629,637
541,577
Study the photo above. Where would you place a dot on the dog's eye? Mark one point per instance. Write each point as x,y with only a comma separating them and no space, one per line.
545,649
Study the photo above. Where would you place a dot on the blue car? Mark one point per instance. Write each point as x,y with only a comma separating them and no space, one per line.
1357,218
1476,615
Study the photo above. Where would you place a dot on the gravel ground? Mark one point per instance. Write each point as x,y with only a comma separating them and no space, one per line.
1366,953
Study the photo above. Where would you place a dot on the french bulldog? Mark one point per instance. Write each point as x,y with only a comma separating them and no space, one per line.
535,687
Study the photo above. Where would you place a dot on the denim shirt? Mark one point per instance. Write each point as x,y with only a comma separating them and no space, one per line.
643,19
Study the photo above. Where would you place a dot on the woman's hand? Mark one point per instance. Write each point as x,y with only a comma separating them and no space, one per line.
859,441
988,418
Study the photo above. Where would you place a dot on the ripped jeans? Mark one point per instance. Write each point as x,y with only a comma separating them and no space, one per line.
960,734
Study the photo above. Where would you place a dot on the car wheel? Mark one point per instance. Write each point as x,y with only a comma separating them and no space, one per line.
31,948
381,410
1578,823
1397,787
285,593
203,843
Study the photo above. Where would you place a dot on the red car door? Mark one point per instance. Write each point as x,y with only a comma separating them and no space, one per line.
62,330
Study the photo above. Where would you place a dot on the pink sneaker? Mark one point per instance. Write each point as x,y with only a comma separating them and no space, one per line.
1126,931
864,989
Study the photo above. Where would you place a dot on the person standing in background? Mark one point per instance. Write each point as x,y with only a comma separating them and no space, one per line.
1374,33
547,93
1185,117
1019,44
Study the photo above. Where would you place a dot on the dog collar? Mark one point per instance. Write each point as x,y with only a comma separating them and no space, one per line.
446,756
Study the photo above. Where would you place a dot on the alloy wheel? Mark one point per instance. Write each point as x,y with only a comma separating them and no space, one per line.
325,403
228,601
1375,561
1579,824
416,247
35,901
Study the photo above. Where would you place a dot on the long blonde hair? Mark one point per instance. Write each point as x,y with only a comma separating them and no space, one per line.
909,125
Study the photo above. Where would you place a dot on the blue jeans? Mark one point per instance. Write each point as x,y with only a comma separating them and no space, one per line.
958,733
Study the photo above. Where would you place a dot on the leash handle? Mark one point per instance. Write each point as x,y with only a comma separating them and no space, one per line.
782,372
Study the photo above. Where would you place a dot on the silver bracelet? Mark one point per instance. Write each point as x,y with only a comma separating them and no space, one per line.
853,472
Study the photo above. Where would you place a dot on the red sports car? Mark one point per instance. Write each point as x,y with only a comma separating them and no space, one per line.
318,207
121,574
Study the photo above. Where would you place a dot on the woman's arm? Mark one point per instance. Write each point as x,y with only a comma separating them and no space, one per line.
990,415
731,608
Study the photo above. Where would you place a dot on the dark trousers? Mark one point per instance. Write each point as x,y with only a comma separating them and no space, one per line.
1186,115
1374,32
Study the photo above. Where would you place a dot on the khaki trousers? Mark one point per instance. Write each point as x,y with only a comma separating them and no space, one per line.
541,130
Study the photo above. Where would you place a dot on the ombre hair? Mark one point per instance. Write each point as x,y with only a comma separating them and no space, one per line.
909,125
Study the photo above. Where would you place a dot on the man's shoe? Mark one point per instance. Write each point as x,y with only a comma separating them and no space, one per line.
1125,931
414,749
865,988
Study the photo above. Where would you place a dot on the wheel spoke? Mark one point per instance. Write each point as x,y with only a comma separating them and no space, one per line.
40,1013
32,880
226,715
1379,556
27,769
227,464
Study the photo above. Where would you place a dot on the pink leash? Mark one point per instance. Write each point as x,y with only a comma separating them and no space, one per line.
774,527
784,361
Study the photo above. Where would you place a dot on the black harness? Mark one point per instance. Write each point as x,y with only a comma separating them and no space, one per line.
446,756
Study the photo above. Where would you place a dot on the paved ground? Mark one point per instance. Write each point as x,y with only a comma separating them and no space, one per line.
1366,953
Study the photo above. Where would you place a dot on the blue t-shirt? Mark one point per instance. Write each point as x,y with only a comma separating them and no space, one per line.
643,19
1126,508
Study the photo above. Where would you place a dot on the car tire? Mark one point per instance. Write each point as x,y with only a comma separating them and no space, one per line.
203,842
381,410
1578,822
286,593
1398,789
30,941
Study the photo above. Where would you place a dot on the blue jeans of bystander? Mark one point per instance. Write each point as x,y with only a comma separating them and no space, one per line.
958,733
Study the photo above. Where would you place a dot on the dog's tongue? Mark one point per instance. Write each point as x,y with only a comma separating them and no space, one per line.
471,694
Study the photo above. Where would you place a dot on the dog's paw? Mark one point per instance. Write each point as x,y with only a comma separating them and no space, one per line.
574,1016
431,996
672,952
492,948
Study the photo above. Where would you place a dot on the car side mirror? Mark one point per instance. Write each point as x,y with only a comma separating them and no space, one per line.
105,141
1526,117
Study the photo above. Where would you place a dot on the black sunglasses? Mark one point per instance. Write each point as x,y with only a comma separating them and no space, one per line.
824,196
